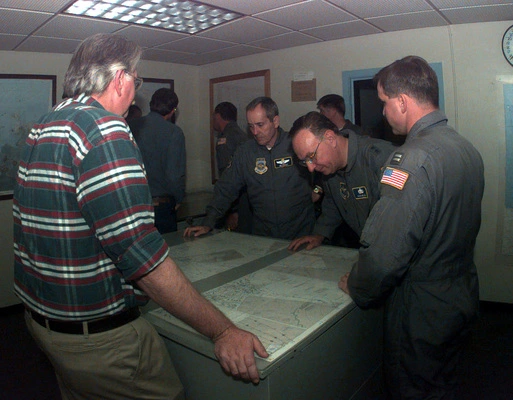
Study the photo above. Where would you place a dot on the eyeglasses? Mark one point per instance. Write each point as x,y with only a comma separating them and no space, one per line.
137,81
310,159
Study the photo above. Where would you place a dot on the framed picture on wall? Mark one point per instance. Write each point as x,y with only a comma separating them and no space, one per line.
239,90
23,100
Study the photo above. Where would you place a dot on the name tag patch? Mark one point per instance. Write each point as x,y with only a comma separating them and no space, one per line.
283,162
360,193
394,177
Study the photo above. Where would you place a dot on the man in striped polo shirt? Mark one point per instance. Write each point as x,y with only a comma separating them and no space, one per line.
87,253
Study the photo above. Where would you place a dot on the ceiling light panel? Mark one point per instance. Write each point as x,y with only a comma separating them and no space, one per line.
181,16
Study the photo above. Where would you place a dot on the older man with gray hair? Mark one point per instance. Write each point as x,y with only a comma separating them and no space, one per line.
87,254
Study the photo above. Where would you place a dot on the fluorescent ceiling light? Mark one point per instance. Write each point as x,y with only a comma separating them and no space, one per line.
182,16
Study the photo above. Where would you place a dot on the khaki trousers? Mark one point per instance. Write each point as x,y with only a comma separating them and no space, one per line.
129,362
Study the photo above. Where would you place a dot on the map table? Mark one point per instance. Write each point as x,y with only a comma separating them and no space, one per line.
291,301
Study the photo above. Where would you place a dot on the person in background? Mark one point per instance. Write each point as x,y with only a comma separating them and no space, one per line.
229,137
134,111
162,146
333,106
418,242
351,167
279,191
86,252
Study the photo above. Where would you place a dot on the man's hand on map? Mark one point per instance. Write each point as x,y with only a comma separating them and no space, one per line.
196,231
311,241
342,283
234,348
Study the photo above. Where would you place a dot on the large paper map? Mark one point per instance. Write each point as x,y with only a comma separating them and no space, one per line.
210,255
282,302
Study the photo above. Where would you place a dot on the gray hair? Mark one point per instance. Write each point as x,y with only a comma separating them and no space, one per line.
96,61
268,104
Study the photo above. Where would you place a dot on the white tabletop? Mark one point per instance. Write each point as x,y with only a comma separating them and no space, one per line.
286,298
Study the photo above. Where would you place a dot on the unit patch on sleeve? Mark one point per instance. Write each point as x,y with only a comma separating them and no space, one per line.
261,166
283,162
394,177
360,193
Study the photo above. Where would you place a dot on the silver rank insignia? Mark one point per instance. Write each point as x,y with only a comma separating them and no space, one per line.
397,158
261,166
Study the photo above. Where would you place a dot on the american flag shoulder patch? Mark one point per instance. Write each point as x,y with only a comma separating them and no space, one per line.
394,177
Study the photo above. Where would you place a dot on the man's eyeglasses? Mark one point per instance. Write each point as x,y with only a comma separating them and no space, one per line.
137,81
310,159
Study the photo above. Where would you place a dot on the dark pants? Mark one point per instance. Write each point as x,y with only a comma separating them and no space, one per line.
165,217
245,214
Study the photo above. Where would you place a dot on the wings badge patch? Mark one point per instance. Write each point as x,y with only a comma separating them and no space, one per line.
394,177
283,162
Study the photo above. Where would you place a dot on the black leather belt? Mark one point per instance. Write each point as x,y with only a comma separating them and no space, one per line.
85,327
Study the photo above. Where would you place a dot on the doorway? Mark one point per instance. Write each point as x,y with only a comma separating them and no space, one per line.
368,112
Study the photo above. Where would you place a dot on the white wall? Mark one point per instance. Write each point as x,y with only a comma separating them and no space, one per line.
470,68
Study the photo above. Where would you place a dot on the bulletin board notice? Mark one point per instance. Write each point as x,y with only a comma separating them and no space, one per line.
303,90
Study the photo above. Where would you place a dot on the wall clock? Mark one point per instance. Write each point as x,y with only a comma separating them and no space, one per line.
507,45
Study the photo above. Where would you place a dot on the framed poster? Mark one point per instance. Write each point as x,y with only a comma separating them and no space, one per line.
150,85
23,100
238,89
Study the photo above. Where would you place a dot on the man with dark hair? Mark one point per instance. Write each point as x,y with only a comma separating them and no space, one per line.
279,191
229,137
162,146
418,242
350,165
134,111
333,106
86,252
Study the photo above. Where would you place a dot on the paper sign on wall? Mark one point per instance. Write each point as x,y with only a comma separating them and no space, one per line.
303,90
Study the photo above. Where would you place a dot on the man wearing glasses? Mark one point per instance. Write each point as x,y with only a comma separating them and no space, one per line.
278,189
86,252
351,168
162,146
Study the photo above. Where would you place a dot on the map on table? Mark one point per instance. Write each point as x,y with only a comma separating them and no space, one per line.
200,258
281,303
